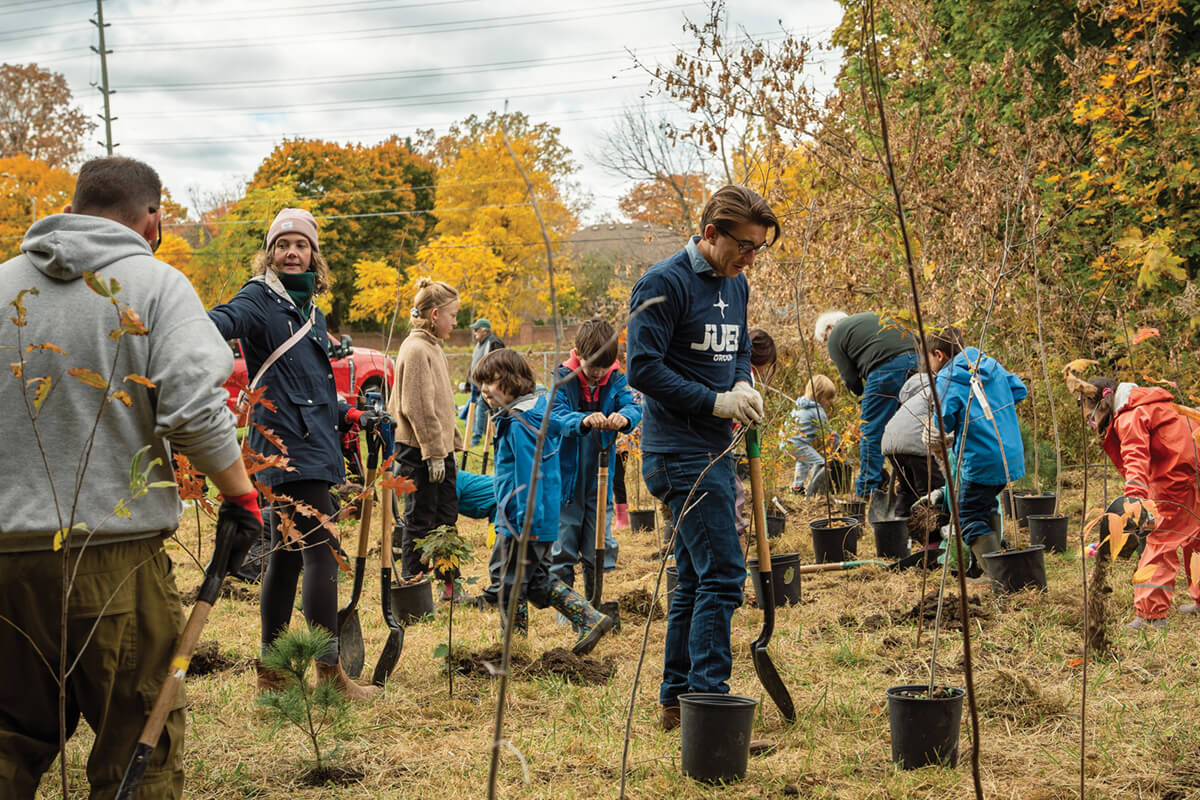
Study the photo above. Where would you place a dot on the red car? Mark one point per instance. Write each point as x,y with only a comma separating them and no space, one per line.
356,370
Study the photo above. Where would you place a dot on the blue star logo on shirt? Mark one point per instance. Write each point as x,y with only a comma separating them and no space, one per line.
721,304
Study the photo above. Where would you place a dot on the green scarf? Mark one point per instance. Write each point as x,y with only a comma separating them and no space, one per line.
300,288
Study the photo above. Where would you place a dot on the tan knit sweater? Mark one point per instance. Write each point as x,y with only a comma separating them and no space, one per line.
422,401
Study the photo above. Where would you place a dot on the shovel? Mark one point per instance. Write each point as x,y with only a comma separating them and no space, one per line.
763,666
395,640
612,610
229,549
895,566
462,464
349,632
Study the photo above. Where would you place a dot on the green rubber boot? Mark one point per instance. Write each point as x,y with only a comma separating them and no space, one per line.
520,618
590,623
987,543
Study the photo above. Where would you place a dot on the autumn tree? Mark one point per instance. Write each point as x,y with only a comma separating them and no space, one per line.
37,118
28,187
672,201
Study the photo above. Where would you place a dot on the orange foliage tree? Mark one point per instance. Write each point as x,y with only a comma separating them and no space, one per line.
28,187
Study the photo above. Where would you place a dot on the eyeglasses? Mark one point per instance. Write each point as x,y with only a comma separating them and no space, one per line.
157,242
744,246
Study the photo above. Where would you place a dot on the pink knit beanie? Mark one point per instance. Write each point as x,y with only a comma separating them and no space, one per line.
293,220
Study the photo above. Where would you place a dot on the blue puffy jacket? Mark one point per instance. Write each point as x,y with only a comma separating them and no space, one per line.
985,437
810,418
515,441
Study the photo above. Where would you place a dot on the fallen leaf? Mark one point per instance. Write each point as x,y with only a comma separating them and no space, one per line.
1075,662
1144,334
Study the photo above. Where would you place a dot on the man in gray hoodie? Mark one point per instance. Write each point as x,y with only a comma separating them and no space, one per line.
114,365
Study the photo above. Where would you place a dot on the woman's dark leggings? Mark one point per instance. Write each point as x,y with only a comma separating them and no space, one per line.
314,555
619,478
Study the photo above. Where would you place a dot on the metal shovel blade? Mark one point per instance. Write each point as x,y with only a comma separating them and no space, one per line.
395,639
350,645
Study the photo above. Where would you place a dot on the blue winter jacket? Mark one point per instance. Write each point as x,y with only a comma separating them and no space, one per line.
982,460
476,495
810,419
308,414
515,443
579,455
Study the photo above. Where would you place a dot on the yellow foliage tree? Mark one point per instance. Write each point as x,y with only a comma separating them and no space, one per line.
28,188
175,251
375,286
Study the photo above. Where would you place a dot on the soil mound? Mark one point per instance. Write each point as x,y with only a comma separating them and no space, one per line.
207,659
572,668
951,610
335,775
486,662
638,603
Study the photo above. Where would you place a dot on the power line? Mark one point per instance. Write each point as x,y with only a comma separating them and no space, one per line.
293,11
40,6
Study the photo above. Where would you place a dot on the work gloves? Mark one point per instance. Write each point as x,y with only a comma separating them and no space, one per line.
932,438
934,499
742,404
241,518
436,468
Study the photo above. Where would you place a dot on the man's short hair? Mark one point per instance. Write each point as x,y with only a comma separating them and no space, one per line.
948,340
122,189
731,206
595,343
506,368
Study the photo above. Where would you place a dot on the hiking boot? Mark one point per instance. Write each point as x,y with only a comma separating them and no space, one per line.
336,675
520,619
987,543
1141,623
668,717
267,679
590,622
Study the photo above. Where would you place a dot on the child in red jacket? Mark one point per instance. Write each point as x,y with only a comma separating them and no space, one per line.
1153,447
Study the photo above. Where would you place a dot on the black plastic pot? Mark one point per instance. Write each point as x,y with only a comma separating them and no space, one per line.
1028,504
413,601
776,524
891,538
785,578
853,508
835,539
1014,570
924,729
1008,503
715,733
1049,530
641,520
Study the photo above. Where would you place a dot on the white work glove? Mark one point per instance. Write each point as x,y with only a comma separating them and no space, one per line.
933,499
437,469
741,404
931,437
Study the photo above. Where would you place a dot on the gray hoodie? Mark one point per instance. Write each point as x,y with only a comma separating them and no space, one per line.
182,354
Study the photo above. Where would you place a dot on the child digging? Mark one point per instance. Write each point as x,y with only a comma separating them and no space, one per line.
507,384
1151,443
598,399
814,439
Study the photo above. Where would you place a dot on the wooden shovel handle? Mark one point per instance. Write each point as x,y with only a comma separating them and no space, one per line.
759,516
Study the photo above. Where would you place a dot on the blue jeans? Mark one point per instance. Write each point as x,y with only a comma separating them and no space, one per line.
880,400
976,505
712,571
479,424
576,543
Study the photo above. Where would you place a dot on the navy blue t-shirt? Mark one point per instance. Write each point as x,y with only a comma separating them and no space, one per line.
686,349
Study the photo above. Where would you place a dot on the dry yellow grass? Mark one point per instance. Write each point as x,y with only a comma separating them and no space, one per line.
837,651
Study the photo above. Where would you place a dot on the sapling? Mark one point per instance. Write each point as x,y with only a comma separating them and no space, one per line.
446,550
316,710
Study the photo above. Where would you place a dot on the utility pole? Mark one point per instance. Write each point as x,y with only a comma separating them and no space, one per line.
103,87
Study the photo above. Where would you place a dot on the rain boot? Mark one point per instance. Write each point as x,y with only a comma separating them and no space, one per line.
621,515
590,622
335,674
520,619
987,543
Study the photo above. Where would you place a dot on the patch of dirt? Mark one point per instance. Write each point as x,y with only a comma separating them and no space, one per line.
207,659
876,621
336,775
230,590
951,610
572,668
1014,697
486,662
662,552
637,603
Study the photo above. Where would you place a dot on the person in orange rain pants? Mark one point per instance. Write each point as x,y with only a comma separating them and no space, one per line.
1152,444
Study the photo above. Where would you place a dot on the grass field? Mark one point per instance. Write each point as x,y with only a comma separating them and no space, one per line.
837,651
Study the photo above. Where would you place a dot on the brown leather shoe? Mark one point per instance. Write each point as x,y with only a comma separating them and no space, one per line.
335,673
668,717
267,679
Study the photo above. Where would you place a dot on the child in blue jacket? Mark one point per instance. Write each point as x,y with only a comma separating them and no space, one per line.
814,438
507,384
587,407
987,435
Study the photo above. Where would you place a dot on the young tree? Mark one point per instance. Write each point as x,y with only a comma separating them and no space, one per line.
37,118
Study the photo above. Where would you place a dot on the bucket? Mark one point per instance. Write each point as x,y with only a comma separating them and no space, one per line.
1040,504
891,538
785,579
413,601
835,539
1014,570
715,733
924,729
1049,530
641,520
776,524
853,508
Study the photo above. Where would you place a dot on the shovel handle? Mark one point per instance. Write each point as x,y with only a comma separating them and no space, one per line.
462,464
754,454
388,522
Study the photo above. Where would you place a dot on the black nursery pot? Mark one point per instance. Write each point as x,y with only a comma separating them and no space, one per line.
835,539
924,729
776,524
785,578
853,508
891,538
1008,501
413,601
1049,530
1030,504
715,733
641,520
1014,570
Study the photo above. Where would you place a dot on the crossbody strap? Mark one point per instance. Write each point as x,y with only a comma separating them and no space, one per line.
283,348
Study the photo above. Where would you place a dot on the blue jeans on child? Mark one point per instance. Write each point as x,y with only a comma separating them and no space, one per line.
808,461
881,398
712,571
479,424
976,505
576,543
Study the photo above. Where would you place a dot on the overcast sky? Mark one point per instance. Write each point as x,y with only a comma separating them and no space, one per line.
206,88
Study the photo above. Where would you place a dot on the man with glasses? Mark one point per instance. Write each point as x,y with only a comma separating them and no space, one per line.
689,354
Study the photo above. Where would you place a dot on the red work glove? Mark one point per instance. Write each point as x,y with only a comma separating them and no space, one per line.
248,501
352,417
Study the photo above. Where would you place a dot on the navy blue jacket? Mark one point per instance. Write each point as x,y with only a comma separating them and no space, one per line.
300,384
683,351
579,455
515,443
